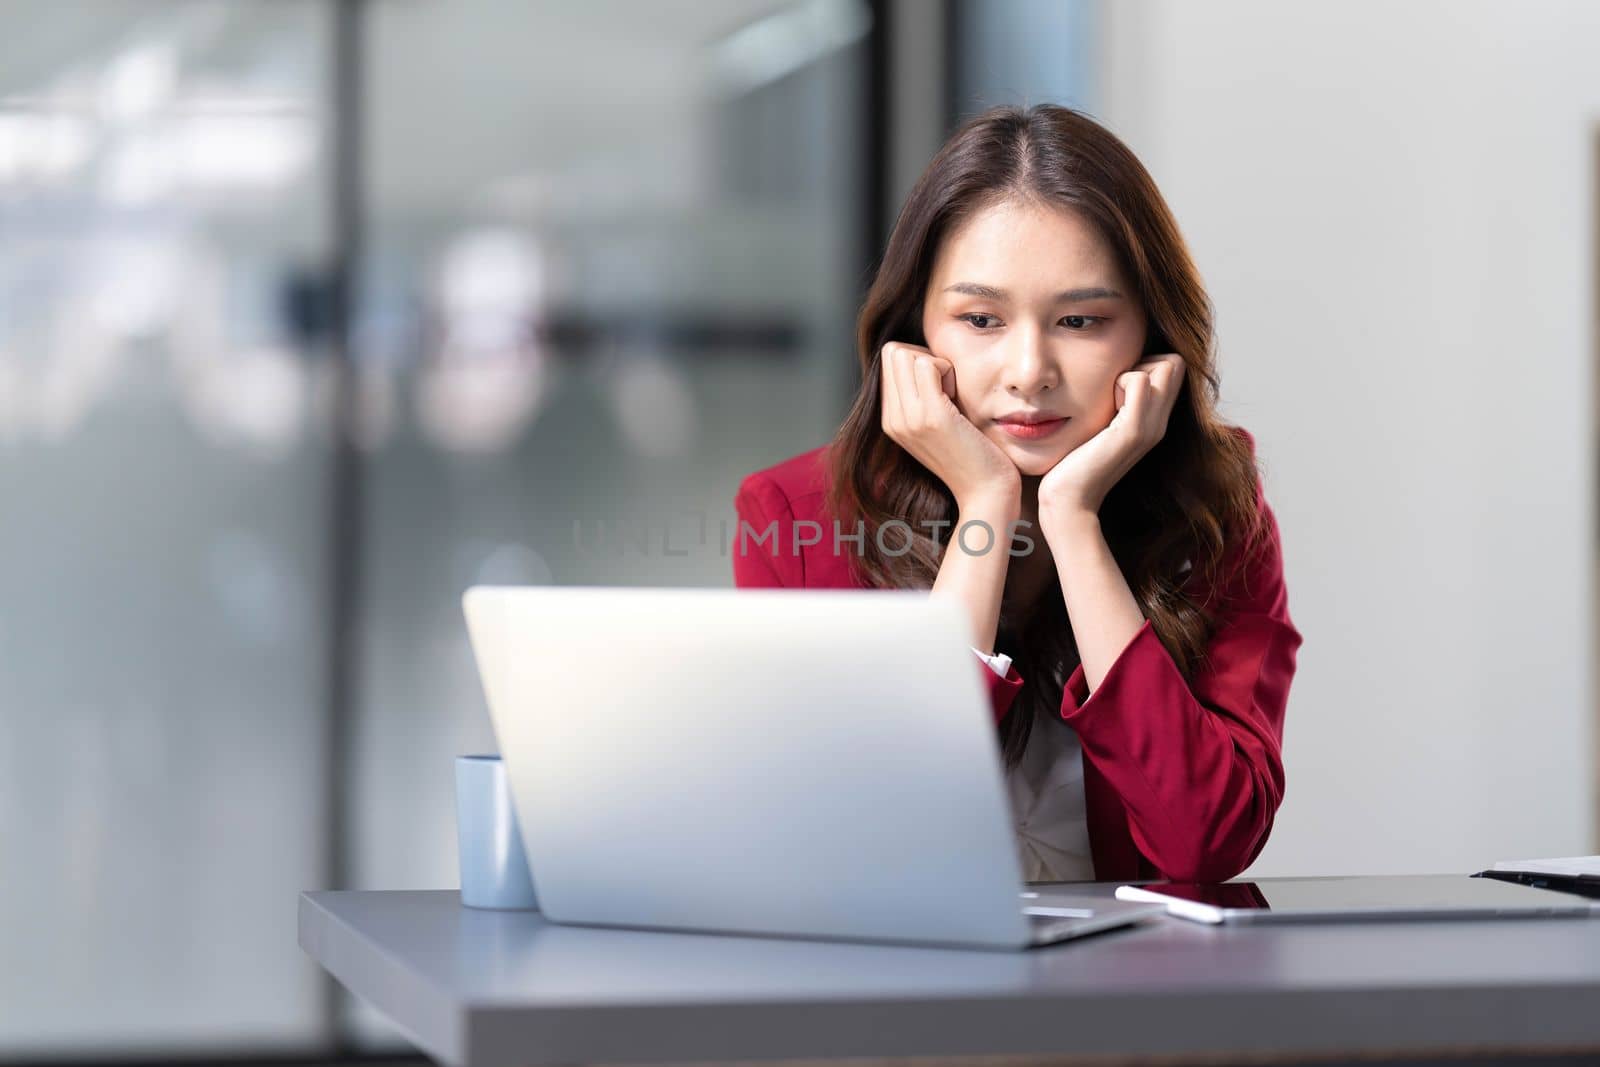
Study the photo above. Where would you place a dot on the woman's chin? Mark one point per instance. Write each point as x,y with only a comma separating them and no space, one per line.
1031,464
1033,459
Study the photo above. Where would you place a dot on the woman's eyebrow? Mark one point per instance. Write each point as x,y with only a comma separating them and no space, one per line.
1093,292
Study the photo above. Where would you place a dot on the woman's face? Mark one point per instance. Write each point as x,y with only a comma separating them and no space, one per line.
1026,302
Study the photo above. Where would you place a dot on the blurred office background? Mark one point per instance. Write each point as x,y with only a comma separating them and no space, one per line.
313,314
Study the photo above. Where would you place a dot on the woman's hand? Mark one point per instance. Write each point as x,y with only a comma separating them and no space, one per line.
920,415
1078,484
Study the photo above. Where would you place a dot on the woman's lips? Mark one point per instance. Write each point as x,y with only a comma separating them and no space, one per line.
1032,431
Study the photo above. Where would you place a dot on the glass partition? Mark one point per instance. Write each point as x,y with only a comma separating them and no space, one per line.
163,450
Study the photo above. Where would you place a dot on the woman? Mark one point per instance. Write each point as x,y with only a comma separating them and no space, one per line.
1036,437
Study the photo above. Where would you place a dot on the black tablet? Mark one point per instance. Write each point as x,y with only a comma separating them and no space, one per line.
1423,896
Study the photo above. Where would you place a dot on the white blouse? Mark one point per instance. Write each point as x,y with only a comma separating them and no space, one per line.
1047,800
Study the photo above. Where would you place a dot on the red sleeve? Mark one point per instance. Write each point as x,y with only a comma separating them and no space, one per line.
1199,766
1002,691
758,557
762,561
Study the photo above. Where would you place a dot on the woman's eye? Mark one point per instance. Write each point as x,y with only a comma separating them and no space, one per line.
1079,322
974,318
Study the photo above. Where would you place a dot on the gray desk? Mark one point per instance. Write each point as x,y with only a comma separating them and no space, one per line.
505,989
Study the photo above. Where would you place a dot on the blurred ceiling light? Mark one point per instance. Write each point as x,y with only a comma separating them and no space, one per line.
255,394
114,291
782,43
254,397
42,147
479,400
138,83
84,361
484,381
132,285
232,151
490,273
206,153
653,406
138,170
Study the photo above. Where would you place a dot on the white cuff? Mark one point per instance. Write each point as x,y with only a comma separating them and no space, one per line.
998,662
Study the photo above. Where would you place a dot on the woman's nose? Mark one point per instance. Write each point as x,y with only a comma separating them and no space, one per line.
1029,367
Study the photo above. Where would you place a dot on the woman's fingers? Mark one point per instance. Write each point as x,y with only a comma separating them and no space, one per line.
947,375
893,408
932,429
1134,386
906,382
910,382
929,387
1148,391
1166,372
1166,380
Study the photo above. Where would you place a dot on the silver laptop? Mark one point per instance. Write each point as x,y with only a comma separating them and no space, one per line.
803,763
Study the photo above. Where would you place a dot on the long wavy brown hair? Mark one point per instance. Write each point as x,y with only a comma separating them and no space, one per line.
1190,500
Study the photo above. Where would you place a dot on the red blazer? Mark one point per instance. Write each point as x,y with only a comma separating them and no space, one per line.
1181,780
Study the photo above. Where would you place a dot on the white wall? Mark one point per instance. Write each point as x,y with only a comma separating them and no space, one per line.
1392,205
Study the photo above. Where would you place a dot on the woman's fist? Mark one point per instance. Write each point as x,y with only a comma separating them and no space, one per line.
921,416
1145,397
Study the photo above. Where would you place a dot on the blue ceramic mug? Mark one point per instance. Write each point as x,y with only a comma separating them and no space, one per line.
494,868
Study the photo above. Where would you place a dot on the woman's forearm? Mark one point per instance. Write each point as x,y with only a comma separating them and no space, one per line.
1105,616
975,564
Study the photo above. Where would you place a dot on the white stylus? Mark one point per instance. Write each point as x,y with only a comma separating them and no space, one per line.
1183,909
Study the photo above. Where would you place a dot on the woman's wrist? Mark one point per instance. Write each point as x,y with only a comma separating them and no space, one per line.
992,503
975,560
1068,526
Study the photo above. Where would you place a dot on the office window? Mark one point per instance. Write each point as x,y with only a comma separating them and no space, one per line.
161,546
